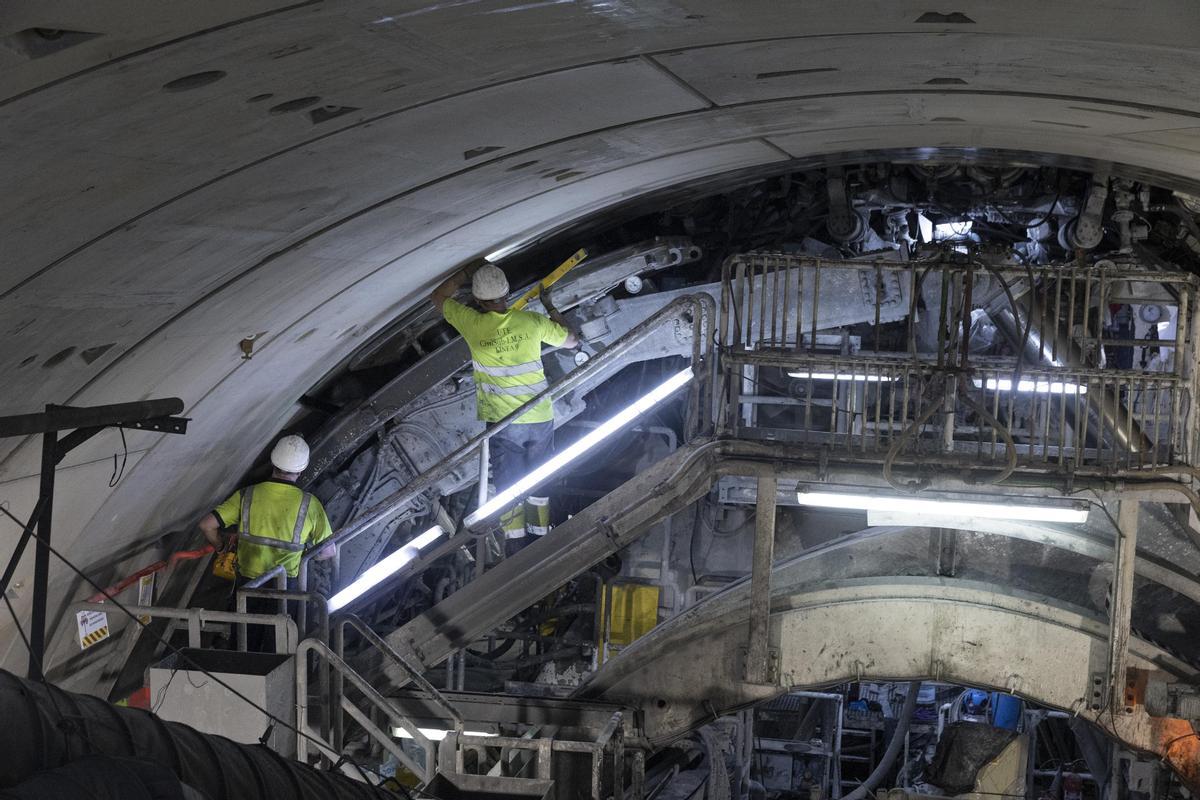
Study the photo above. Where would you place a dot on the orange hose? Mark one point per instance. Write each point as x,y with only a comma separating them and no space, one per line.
157,566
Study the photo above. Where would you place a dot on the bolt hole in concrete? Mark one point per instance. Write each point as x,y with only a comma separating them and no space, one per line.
93,353
42,42
938,18
194,81
318,115
298,104
58,358
480,151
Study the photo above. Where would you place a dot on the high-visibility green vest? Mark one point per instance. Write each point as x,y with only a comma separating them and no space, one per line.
506,354
276,522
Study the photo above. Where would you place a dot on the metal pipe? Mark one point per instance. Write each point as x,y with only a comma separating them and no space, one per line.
1104,402
35,738
894,746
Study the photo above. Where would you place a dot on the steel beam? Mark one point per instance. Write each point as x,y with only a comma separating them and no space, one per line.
758,657
61,418
1121,607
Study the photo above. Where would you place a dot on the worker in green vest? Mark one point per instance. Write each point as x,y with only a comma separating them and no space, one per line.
506,355
275,522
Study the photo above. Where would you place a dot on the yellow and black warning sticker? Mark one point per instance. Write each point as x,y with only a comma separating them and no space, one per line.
93,627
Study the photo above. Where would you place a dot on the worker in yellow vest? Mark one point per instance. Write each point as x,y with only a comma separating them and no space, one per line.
506,354
275,522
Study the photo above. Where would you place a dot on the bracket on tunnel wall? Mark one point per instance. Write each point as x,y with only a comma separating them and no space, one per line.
84,423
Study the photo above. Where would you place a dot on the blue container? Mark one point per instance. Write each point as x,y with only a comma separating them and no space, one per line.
1006,711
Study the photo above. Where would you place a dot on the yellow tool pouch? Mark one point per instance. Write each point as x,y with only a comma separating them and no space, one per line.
225,563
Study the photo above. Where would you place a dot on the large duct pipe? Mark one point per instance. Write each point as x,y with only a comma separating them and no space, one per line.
45,728
893,749
1048,347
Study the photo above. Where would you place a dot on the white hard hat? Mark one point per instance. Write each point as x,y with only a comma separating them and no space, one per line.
290,454
489,283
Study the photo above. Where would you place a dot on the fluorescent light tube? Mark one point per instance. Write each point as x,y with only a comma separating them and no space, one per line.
829,376
926,509
564,457
1040,386
435,734
384,569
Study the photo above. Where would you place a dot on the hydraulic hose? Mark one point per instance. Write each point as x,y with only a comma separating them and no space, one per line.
46,728
893,749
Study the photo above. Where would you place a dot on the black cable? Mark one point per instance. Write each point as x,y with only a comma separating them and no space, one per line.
1037,224
116,476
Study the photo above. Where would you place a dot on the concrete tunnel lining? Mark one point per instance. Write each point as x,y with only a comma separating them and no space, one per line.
174,193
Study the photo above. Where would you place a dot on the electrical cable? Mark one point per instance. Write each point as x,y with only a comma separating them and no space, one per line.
1038,223
116,476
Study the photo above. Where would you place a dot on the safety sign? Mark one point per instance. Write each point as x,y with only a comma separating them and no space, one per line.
93,627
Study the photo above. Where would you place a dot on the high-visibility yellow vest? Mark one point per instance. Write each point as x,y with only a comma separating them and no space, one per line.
506,354
276,522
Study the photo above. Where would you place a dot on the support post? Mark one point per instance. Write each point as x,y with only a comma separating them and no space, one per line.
758,654
41,562
1124,558
83,423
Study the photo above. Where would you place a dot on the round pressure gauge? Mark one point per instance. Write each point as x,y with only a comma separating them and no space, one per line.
633,284
1152,312
581,358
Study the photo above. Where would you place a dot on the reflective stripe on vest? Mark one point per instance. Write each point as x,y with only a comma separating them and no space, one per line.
537,515
296,545
508,372
524,390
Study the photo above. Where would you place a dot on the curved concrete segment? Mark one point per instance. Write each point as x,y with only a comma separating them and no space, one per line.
180,177
692,669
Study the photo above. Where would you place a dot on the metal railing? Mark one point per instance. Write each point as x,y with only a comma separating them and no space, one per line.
324,653
1058,400
451,761
375,640
286,637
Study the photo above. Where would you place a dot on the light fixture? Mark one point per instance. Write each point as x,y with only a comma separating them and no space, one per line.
1039,386
384,568
927,509
521,488
500,253
951,230
435,734
840,376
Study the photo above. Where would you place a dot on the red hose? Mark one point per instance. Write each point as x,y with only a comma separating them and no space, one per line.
157,566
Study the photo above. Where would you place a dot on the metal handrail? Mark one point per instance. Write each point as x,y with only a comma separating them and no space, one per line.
283,596
414,672
285,627
345,671
703,321
450,754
